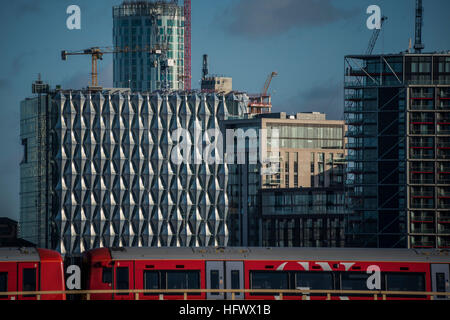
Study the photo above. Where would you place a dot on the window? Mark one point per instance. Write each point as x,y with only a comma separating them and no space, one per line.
29,280
183,280
405,282
354,281
269,280
151,280
214,277
314,280
107,275
440,282
122,279
235,281
3,283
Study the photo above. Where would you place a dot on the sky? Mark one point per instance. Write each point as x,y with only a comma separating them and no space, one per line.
304,41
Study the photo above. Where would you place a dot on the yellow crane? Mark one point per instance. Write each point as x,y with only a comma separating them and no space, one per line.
97,53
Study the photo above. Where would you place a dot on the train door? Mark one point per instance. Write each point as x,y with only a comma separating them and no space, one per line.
440,279
28,279
234,277
8,279
215,279
123,279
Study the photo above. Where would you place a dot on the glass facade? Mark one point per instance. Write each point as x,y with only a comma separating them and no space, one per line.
303,217
395,141
251,188
149,25
98,172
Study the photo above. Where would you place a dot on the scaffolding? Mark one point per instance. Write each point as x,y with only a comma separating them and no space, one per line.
397,108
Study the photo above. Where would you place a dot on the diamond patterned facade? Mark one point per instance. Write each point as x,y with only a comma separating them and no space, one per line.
114,183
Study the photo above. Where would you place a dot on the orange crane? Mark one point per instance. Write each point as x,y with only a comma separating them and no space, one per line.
261,103
98,52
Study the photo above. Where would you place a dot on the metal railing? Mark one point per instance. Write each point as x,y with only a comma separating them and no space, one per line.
375,294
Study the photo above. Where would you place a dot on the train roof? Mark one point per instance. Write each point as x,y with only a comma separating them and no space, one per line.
309,254
19,254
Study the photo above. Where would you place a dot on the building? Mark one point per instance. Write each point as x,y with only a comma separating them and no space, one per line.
147,24
311,155
398,114
303,217
98,169
9,234
217,84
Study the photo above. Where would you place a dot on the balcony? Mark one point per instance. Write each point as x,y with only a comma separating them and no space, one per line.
444,103
418,204
422,218
444,229
422,153
443,153
418,194
421,180
443,129
422,228
444,217
421,129
418,243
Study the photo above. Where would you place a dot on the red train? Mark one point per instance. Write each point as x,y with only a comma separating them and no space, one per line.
31,269
265,268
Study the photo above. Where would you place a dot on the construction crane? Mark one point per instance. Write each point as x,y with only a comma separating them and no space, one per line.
97,53
261,103
374,38
418,45
267,84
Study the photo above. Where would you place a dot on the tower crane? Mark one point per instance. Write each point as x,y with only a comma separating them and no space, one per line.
374,38
97,53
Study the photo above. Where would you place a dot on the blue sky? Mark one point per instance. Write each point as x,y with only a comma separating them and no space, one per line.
305,41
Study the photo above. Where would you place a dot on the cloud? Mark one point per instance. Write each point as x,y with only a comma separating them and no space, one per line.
326,97
262,18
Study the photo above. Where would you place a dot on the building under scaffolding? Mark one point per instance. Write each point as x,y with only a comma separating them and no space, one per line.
397,108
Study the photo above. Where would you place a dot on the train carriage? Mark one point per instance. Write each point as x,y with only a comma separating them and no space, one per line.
265,268
31,269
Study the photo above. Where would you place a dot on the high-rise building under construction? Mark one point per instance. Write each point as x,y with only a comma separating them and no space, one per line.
397,108
147,24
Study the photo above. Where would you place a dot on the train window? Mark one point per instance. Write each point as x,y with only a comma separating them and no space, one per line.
29,280
183,280
440,282
214,277
354,281
151,281
405,281
3,283
122,279
235,281
269,280
314,280
107,275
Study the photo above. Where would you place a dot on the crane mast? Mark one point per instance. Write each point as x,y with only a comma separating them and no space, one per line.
418,45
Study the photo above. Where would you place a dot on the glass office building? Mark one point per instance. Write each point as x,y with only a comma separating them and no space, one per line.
397,112
311,155
145,24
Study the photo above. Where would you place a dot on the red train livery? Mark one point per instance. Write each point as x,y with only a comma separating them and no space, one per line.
265,268
31,269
